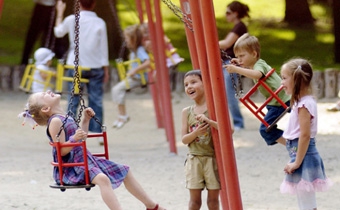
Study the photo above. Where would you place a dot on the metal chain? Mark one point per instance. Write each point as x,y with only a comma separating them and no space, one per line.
76,74
224,56
76,78
178,12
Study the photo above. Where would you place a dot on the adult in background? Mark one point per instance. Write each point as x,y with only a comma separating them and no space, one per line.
235,12
93,53
41,24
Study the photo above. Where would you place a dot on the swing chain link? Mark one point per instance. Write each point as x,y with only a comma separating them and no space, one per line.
76,74
180,14
76,78
238,90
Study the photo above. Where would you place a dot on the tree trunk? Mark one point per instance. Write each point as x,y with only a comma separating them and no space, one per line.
336,20
107,10
298,13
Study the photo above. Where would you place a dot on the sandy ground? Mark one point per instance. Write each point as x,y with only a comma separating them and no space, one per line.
25,172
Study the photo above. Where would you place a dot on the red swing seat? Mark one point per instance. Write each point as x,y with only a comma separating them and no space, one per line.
258,110
60,164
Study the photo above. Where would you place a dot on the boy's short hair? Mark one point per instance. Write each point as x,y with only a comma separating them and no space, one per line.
248,43
196,72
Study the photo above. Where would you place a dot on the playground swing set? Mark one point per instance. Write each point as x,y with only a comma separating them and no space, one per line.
60,78
258,110
28,79
58,146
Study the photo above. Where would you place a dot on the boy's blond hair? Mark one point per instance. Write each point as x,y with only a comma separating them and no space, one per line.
248,43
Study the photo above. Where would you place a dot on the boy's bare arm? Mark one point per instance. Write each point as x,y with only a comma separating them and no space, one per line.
250,73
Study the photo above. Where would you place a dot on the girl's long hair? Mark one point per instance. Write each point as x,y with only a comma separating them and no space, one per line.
302,73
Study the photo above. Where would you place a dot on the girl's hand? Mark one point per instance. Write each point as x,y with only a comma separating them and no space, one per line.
79,135
89,113
290,168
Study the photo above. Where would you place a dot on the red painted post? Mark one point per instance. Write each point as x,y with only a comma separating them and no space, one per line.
217,82
156,85
158,45
1,6
164,79
202,55
140,10
190,36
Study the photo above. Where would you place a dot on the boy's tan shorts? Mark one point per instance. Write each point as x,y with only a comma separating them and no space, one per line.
201,172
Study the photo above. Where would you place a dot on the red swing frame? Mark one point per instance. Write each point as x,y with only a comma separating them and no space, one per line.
258,110
60,164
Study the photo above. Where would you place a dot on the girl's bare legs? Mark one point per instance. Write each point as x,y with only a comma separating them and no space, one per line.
106,191
213,199
133,186
121,109
195,199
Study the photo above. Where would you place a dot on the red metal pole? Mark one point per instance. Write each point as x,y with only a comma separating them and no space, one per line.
1,6
140,11
190,36
162,72
156,86
164,76
220,99
202,55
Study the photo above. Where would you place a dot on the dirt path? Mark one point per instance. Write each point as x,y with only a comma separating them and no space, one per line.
25,172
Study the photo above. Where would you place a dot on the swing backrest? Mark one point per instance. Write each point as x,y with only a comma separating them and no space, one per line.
124,66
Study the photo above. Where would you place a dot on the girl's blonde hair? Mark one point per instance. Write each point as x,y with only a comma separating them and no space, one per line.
34,109
248,43
302,73
135,35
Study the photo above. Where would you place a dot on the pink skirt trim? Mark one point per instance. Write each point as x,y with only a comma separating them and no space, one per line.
318,185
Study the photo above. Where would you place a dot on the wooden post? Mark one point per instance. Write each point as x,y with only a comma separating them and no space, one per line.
318,84
330,83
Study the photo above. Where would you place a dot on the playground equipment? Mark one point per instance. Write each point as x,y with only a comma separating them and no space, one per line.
57,145
28,78
124,66
258,110
60,164
61,78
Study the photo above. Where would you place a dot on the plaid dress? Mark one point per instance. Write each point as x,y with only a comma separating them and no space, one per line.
76,175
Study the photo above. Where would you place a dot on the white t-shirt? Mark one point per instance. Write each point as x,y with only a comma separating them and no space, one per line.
93,44
293,128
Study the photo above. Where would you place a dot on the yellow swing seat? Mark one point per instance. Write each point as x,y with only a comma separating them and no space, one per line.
61,78
28,78
124,66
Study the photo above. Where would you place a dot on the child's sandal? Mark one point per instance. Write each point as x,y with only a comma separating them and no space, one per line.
156,208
